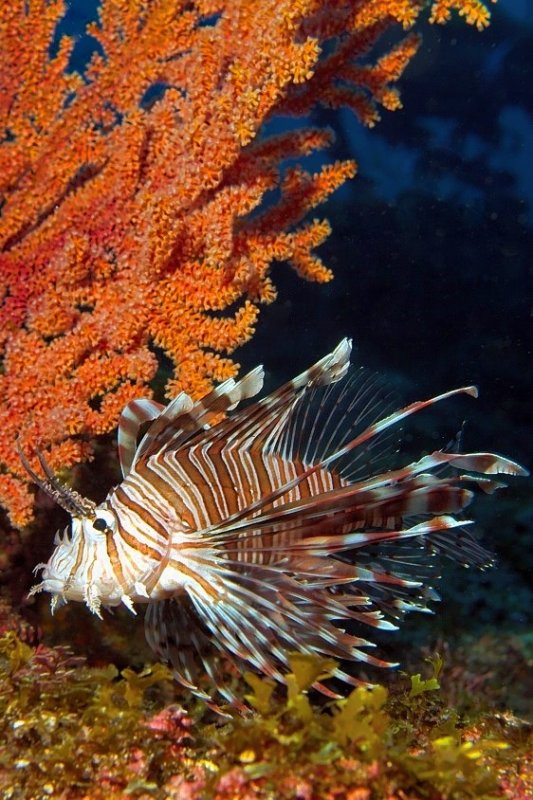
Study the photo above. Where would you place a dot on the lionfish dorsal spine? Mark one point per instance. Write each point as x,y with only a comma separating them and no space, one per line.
133,416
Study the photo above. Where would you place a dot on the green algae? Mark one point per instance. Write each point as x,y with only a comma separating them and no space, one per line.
70,730
414,733
65,725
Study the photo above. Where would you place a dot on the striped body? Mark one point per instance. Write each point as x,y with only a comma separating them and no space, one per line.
270,530
166,501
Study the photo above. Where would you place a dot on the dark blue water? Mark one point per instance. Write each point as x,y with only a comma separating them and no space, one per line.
432,249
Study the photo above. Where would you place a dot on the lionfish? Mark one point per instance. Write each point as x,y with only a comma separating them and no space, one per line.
256,531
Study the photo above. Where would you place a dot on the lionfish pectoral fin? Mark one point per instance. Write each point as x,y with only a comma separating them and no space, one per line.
168,627
264,613
175,634
344,455
485,484
486,464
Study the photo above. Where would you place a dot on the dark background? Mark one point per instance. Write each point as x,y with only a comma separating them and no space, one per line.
432,254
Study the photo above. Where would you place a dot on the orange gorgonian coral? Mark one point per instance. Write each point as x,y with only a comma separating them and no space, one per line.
126,193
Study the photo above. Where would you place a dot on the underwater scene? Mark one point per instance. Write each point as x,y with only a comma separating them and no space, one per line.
266,293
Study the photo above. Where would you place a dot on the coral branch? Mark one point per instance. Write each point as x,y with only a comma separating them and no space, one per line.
127,193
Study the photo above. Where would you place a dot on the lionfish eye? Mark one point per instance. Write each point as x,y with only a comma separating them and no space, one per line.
100,524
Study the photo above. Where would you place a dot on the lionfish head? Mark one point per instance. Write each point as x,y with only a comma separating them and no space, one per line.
79,567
